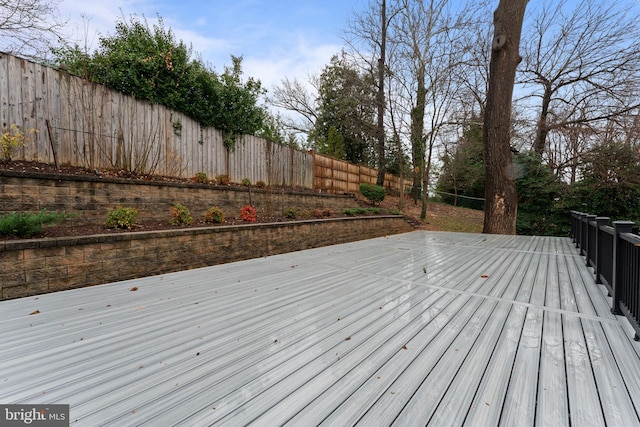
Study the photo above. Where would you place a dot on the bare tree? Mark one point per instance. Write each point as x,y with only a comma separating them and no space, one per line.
367,35
428,33
299,99
501,201
581,62
29,27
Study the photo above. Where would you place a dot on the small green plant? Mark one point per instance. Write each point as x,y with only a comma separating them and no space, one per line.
248,214
374,193
12,139
180,215
304,214
201,177
121,218
223,179
361,211
246,182
27,224
261,184
214,215
290,213
177,127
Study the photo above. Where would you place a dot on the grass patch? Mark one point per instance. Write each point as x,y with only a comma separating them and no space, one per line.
27,224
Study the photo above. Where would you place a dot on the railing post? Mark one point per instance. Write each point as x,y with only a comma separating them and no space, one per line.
600,222
619,227
588,242
583,232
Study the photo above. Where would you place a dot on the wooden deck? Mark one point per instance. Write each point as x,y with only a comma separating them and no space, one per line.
415,329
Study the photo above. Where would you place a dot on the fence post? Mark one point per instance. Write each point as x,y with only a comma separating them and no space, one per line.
600,222
619,228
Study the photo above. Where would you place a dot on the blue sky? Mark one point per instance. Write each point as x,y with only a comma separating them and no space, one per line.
277,38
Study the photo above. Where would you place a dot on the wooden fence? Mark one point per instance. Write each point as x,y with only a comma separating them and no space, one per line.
337,176
84,124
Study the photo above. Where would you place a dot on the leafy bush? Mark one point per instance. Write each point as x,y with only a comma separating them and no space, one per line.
223,179
26,224
248,214
121,218
361,211
10,140
201,177
540,198
214,215
374,193
148,62
180,215
261,184
246,182
290,213
304,214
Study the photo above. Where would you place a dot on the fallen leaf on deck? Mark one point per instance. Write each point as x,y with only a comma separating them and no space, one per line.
133,289
34,312
484,276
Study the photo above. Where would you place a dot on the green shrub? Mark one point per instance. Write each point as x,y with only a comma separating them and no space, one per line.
26,224
180,215
374,193
223,179
201,177
214,215
246,182
261,184
304,214
361,211
121,218
290,213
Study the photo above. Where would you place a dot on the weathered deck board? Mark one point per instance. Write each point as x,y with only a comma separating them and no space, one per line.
416,329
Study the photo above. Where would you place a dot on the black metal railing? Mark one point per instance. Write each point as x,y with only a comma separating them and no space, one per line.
614,254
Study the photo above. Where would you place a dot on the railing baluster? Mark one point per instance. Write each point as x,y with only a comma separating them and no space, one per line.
617,286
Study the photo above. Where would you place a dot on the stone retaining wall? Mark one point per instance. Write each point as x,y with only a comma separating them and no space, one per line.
94,197
37,266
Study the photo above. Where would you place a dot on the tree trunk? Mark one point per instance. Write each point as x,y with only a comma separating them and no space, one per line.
380,97
501,201
417,134
425,183
542,131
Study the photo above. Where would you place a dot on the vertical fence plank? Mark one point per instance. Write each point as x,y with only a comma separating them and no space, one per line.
4,91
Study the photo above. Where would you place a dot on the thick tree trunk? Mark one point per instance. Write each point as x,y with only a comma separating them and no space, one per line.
417,134
501,201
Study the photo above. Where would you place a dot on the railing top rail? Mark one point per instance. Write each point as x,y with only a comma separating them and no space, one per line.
608,229
634,239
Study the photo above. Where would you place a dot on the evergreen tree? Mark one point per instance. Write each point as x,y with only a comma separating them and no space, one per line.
346,107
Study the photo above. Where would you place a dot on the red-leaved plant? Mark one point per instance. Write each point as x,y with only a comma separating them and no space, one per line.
248,214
